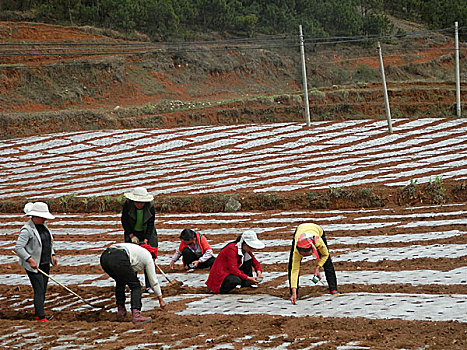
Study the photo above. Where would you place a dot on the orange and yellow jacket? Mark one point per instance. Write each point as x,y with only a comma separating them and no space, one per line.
296,258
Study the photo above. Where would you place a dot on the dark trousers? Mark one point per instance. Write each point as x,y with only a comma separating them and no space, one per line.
153,241
189,256
328,267
39,286
231,281
116,263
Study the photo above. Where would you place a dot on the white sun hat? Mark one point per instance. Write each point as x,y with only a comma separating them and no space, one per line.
139,194
250,238
39,209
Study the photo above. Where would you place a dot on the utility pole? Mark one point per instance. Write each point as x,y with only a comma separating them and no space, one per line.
458,78
305,85
385,90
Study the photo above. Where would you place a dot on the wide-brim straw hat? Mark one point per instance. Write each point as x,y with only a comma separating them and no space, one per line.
139,194
250,238
39,209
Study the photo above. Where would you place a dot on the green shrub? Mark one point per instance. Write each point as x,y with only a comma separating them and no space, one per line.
68,201
435,191
363,73
173,204
268,201
213,203
358,198
317,200
317,94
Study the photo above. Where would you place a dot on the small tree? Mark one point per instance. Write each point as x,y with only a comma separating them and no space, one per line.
246,23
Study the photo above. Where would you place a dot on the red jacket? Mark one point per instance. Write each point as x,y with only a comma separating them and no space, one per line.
200,239
228,262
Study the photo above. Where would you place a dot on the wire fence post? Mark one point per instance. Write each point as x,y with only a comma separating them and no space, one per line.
385,90
305,85
458,78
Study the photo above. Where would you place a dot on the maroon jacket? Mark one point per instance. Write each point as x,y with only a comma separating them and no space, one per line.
227,262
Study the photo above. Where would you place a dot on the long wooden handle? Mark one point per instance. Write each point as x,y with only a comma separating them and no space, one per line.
162,272
68,289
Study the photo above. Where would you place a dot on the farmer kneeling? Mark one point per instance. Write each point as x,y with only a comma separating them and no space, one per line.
195,250
310,240
122,262
234,264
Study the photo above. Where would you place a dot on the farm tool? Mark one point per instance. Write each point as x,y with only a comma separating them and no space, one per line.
172,283
68,289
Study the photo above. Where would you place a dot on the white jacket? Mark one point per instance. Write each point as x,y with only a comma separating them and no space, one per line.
29,244
141,259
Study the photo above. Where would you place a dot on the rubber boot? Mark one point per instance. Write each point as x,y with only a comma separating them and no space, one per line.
121,312
138,318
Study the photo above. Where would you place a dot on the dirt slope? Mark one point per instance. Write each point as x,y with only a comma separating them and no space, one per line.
66,73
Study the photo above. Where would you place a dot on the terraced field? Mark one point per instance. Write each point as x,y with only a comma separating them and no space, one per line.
402,271
223,159
404,265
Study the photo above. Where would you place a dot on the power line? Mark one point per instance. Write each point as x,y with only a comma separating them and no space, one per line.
272,42
268,39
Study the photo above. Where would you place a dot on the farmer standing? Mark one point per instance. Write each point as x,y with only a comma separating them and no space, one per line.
138,216
122,262
310,240
34,248
235,263
195,251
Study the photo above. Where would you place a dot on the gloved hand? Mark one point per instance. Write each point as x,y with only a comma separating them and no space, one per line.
135,240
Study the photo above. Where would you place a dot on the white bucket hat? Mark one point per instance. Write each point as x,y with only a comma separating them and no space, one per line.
250,238
139,194
39,209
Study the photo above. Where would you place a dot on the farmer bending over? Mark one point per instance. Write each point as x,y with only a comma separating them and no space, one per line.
122,262
235,263
309,240
195,251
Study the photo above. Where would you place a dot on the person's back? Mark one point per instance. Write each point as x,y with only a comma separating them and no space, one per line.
122,262
220,268
310,240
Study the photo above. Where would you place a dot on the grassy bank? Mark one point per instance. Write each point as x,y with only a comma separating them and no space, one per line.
430,193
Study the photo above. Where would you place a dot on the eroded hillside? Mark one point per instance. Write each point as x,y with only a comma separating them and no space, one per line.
73,79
